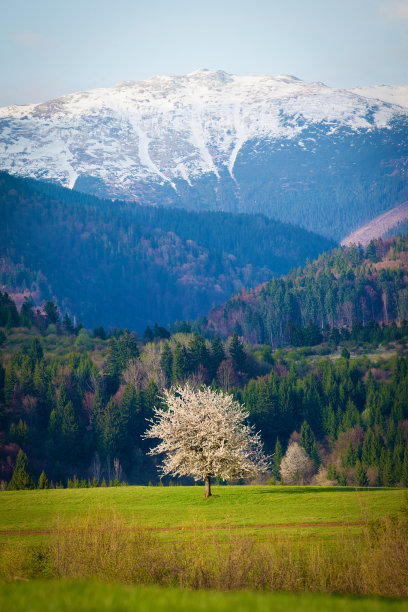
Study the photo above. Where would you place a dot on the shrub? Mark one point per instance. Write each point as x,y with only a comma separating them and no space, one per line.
103,547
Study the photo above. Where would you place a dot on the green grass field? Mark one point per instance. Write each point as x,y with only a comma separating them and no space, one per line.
257,509
94,597
176,515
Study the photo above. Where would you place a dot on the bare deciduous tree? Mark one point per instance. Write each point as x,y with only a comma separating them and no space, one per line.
136,374
296,465
204,435
226,375
140,371
96,467
117,469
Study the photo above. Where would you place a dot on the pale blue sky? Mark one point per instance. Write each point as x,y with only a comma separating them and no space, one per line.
53,47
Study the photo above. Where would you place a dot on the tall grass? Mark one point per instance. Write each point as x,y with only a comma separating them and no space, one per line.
103,547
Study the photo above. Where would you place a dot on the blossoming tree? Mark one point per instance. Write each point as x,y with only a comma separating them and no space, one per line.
296,465
203,434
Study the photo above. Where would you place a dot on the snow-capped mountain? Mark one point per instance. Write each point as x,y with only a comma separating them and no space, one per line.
214,140
393,94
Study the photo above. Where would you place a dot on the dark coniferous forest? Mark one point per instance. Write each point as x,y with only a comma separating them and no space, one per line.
74,403
125,265
344,287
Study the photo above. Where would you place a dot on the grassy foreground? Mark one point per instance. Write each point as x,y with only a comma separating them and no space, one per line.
254,509
61,596
97,548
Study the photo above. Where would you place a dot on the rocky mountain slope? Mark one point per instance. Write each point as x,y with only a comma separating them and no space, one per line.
302,152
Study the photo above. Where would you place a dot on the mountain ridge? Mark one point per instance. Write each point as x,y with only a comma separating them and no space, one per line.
328,159
130,265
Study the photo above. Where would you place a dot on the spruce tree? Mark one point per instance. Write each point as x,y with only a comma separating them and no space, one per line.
306,438
21,478
109,431
181,364
237,352
360,475
68,324
127,349
148,335
217,355
10,381
308,443
43,481
350,456
198,352
386,469
277,458
166,362
35,352
51,311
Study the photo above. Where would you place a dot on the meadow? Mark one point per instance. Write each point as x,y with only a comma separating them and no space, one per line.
65,596
168,548
255,509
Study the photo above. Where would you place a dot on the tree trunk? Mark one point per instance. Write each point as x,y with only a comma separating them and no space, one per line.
207,482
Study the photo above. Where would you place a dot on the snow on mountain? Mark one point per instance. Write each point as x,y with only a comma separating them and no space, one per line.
393,94
166,129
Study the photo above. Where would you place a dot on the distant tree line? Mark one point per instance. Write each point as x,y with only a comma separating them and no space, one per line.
345,287
81,423
103,260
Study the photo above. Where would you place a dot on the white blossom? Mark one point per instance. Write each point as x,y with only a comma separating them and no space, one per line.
203,434
295,465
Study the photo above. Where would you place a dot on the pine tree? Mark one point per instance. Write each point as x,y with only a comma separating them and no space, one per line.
43,481
181,364
277,458
386,469
35,352
148,335
217,355
26,376
360,475
129,419
26,314
306,438
151,399
69,429
19,433
127,349
198,352
68,324
21,478
350,456
314,454
52,312
166,362
309,444
10,382
236,350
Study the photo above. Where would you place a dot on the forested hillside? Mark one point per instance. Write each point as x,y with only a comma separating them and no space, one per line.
75,403
122,264
346,287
